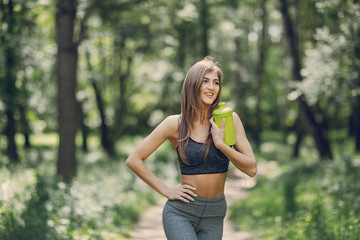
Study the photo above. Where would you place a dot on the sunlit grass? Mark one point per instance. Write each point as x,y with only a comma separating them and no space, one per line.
310,199
44,139
104,201
52,140
303,199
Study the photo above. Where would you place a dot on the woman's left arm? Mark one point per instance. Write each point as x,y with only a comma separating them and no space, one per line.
242,155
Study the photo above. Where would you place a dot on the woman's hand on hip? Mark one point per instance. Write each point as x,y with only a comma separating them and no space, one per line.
182,192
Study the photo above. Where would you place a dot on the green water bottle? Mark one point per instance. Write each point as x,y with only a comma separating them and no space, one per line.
224,112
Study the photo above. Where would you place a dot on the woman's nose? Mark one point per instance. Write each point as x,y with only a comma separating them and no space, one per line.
210,85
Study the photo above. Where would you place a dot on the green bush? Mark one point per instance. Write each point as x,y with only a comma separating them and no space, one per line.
311,199
104,201
23,211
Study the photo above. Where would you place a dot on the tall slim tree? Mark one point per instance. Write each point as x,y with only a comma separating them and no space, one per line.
204,27
260,69
68,40
317,128
8,78
356,98
66,86
105,129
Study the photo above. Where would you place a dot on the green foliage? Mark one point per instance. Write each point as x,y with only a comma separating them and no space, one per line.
23,210
308,200
104,201
139,52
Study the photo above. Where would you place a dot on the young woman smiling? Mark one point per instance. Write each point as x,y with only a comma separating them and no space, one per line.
197,206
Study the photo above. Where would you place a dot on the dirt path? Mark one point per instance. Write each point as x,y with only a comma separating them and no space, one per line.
150,224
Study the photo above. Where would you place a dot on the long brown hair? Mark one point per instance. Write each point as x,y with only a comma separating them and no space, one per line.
191,103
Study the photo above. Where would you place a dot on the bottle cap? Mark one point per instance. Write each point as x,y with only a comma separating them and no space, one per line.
222,110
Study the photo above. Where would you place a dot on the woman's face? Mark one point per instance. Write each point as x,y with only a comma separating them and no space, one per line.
210,87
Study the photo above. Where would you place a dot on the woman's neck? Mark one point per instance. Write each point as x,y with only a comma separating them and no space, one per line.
200,130
203,115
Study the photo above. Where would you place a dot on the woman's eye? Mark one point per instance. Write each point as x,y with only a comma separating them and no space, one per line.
217,83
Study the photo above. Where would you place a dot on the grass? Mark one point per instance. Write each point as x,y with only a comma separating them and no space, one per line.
104,201
304,198
310,199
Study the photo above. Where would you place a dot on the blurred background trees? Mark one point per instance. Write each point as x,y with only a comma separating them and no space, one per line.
290,66
82,81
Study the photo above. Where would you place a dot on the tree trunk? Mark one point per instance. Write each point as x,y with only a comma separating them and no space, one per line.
25,128
121,108
181,33
299,129
356,121
318,128
10,92
105,140
356,100
239,89
84,129
10,131
260,75
204,26
66,83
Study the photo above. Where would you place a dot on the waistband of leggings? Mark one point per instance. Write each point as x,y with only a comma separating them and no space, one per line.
209,200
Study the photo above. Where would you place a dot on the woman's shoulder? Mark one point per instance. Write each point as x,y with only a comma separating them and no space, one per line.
236,116
237,122
172,121
171,124
175,118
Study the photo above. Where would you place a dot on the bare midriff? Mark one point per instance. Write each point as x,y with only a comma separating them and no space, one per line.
207,185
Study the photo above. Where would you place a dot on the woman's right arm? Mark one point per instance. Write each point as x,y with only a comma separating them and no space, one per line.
167,129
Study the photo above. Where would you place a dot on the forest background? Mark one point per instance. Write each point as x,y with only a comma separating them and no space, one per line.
82,81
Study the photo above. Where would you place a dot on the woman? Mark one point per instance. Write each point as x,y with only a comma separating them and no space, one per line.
196,208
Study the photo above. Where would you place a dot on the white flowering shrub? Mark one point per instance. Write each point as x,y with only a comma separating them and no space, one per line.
103,201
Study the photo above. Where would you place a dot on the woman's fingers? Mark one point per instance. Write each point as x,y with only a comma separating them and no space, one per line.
211,120
186,198
187,192
213,124
223,123
218,134
190,188
183,193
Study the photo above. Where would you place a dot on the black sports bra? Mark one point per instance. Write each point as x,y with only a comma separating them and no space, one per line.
216,161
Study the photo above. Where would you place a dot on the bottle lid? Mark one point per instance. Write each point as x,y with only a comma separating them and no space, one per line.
222,110
221,104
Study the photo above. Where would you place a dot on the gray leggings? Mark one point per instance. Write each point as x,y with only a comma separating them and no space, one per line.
202,219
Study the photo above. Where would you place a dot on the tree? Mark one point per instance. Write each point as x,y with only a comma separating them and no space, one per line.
260,73
204,27
9,78
17,21
21,69
356,98
122,25
318,128
68,41
355,116
66,83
